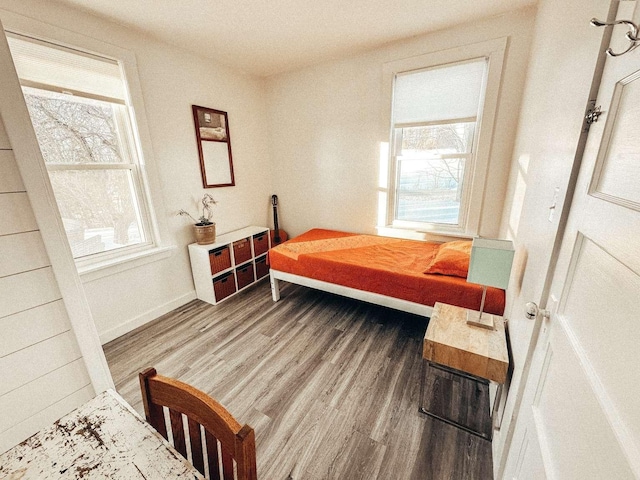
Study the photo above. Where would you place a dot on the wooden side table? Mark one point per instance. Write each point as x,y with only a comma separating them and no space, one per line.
472,352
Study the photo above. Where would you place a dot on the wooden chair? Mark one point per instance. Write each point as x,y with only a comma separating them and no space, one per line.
237,443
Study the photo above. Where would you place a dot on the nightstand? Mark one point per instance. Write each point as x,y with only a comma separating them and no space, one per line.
474,353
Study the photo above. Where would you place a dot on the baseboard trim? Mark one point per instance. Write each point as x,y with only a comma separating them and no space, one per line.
140,320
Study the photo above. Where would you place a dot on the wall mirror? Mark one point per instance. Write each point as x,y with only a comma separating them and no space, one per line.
214,147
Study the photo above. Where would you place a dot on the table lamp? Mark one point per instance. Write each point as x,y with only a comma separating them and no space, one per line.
489,266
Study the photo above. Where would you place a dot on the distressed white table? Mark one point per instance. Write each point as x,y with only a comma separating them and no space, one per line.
104,438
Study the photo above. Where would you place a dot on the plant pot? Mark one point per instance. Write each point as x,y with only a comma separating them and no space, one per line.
205,234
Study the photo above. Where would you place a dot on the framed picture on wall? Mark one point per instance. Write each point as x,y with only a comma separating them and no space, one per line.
214,147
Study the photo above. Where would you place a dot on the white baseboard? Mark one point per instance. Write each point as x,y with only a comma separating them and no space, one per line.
146,317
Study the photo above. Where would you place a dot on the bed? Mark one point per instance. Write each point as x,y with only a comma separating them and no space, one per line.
407,275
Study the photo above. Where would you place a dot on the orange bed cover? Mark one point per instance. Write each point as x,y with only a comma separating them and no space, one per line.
384,265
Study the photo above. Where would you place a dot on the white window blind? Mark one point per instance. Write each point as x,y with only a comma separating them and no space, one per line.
439,94
52,67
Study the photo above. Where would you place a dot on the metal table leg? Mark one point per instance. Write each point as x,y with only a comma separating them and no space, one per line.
426,366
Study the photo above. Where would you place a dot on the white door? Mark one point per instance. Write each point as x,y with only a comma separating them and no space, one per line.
580,416
559,82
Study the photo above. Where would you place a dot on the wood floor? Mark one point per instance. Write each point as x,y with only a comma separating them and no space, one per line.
330,385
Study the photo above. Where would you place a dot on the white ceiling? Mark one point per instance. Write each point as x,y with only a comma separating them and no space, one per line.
268,37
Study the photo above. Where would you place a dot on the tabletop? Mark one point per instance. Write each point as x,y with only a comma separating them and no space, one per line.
104,438
450,341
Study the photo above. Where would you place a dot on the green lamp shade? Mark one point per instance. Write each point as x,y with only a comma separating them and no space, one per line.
490,262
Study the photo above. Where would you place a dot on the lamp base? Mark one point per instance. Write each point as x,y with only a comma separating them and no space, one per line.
486,321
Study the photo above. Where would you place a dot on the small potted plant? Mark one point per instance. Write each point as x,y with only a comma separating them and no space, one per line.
204,228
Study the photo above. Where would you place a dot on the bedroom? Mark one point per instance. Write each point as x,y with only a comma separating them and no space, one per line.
325,113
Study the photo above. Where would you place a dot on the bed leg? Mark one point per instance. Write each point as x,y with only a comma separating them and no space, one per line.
275,287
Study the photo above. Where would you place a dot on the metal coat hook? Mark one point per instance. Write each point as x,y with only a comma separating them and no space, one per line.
632,34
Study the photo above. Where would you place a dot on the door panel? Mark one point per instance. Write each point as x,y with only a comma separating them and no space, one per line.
530,464
601,306
616,174
575,436
574,429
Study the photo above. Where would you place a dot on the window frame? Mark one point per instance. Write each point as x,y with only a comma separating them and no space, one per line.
129,163
476,171
469,161
107,263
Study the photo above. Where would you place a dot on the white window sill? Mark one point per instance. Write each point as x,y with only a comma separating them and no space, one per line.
92,272
413,234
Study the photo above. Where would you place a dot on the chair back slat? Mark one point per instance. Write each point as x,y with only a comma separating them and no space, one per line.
195,441
154,412
212,455
177,431
227,465
237,442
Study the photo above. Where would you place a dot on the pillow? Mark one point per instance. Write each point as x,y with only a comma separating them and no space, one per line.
452,259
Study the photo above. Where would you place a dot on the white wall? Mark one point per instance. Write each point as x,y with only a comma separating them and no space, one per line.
324,133
327,126
171,81
42,370
50,355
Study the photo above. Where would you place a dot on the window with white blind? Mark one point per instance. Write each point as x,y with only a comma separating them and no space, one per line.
438,159
435,115
79,109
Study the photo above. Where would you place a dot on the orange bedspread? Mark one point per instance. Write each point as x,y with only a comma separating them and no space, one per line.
388,266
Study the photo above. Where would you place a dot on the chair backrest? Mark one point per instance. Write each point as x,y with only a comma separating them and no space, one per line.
237,443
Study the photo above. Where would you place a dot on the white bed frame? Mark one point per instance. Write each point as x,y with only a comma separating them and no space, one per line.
375,298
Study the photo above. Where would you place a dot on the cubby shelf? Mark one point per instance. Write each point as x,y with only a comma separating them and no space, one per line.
234,262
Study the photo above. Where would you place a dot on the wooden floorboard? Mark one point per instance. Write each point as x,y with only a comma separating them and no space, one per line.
331,385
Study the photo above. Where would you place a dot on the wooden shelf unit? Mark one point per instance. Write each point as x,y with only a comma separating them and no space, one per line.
234,262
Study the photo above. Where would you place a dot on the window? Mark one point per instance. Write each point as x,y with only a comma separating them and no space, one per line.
439,152
78,106
435,113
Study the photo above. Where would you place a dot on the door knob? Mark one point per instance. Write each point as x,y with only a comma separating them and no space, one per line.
531,311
